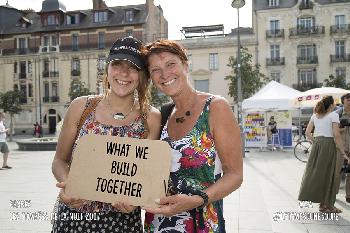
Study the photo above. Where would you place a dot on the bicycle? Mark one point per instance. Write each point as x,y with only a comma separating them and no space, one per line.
302,150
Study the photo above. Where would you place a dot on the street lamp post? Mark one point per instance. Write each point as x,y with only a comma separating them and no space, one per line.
238,4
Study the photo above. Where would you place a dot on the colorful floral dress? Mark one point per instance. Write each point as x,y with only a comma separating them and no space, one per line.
104,217
193,168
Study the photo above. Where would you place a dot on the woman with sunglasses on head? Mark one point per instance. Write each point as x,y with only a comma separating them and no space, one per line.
202,131
123,111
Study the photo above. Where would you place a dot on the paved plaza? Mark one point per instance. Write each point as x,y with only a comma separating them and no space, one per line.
266,202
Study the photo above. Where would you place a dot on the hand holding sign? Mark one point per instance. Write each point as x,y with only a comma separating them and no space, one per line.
118,169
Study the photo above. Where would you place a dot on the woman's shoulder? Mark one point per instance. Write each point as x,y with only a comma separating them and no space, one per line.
154,114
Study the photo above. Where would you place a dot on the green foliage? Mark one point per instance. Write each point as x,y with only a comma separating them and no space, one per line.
10,102
77,88
335,82
252,79
157,98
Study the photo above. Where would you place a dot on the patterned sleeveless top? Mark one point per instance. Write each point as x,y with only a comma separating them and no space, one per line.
192,168
91,126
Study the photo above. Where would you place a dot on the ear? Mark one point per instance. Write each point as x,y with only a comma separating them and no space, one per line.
187,67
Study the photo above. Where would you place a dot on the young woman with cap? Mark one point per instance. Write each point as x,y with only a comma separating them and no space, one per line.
119,113
201,130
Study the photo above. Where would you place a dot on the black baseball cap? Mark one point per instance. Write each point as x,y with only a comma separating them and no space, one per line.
127,49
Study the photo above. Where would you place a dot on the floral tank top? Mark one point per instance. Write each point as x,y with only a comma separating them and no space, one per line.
91,126
192,168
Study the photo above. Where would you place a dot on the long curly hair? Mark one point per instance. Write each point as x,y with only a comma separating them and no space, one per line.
323,105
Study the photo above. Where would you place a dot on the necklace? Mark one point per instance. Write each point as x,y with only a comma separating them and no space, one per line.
182,119
119,115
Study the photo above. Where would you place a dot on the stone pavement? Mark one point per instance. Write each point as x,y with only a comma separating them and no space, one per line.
266,202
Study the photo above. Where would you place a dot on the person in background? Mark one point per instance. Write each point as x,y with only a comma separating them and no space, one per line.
344,127
3,145
117,113
318,182
271,129
201,130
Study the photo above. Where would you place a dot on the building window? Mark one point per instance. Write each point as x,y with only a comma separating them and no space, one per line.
307,77
190,64
22,43
306,23
29,67
23,90
129,16
276,76
340,49
306,51
340,72
46,40
101,40
75,42
274,25
213,61
52,20
101,64
54,40
15,67
273,2
100,16
201,85
340,21
129,32
54,88
30,90
274,52
46,90
75,64
46,66
22,69
73,19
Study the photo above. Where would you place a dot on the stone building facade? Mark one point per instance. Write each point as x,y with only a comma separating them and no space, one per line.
42,52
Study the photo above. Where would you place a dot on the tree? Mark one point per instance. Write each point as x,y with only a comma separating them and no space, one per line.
338,81
252,79
10,103
158,98
77,88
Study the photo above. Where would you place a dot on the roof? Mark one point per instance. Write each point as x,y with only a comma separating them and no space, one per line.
116,18
52,5
267,98
203,31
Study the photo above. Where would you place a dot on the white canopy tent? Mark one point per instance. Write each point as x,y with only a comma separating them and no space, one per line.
273,96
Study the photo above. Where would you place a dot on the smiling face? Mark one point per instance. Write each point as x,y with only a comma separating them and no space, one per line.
123,77
168,72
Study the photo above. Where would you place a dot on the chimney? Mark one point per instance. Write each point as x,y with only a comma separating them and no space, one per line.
149,4
99,5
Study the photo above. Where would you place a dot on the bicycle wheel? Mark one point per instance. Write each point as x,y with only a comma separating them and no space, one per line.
302,150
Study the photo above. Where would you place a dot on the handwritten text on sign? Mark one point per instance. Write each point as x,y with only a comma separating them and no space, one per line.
109,169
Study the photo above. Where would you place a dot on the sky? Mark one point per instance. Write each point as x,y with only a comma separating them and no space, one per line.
179,13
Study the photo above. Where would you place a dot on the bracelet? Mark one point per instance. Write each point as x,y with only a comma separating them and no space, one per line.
205,199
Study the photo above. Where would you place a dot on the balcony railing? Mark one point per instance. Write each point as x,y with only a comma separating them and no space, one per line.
344,28
21,51
275,61
279,33
46,99
299,31
75,72
22,75
306,86
307,60
55,99
47,74
340,58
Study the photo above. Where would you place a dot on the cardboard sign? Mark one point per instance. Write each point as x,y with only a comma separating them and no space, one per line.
110,169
